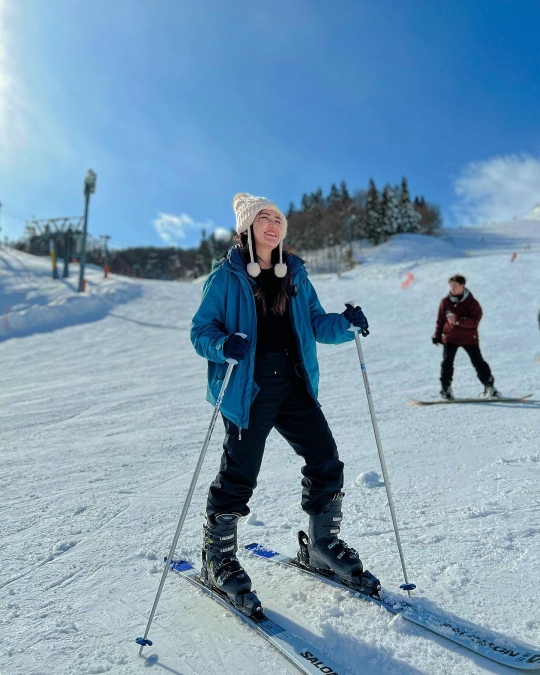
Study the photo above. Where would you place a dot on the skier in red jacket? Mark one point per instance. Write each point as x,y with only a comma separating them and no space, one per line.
457,326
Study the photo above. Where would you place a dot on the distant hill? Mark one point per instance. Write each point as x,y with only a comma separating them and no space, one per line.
506,237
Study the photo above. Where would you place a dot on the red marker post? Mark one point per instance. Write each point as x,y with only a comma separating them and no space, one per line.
408,281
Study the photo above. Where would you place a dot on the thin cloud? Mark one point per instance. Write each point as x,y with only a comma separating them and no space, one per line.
221,234
179,230
497,189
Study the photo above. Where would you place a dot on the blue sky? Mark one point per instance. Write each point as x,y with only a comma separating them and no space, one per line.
178,105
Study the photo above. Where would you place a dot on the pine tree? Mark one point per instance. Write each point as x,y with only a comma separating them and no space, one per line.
345,197
390,216
334,197
430,216
331,225
315,216
373,214
410,218
358,210
203,261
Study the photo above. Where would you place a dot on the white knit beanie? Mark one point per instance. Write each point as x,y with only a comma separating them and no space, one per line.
246,207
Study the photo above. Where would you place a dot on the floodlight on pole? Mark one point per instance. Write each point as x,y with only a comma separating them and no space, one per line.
89,188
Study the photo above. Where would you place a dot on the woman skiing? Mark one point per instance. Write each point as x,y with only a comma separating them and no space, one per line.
263,292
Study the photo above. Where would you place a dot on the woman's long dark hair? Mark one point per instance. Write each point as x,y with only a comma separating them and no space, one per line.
280,303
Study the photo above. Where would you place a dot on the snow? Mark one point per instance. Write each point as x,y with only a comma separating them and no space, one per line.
515,236
410,248
102,419
32,301
370,479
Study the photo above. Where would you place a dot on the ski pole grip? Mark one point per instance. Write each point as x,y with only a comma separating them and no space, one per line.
365,332
234,362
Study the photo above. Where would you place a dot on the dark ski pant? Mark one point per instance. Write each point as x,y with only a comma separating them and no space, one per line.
282,403
447,366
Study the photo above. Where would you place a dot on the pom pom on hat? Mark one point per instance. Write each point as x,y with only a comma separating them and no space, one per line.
253,269
280,270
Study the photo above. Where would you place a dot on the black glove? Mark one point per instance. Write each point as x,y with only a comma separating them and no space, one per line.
356,316
436,340
235,347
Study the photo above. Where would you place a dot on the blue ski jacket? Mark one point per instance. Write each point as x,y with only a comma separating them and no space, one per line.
228,306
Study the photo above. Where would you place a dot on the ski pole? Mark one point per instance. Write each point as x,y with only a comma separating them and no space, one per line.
406,586
143,641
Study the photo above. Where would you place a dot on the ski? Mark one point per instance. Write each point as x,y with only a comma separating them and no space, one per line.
299,652
493,646
521,399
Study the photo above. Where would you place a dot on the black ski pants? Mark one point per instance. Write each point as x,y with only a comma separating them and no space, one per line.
447,366
282,403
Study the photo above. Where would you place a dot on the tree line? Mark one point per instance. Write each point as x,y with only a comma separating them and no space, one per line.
170,263
319,222
370,214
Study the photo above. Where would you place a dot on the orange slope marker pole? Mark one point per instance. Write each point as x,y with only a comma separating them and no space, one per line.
408,281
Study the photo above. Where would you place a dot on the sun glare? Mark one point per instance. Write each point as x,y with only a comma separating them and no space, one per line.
4,79
11,99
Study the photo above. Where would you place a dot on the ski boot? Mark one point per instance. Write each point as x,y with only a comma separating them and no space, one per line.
446,393
325,554
221,570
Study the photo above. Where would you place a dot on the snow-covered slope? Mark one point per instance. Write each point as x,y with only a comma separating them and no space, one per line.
32,302
517,235
410,248
101,425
